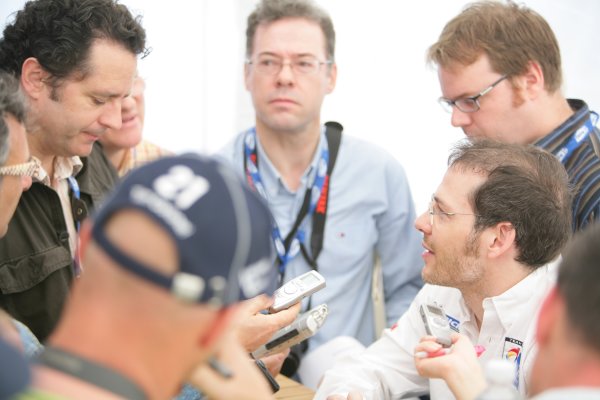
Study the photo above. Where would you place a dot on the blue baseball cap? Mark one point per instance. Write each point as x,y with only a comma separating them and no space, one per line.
15,374
221,229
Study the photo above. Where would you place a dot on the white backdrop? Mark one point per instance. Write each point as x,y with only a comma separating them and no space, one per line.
385,92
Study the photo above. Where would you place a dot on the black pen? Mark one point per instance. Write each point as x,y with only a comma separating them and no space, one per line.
272,382
219,368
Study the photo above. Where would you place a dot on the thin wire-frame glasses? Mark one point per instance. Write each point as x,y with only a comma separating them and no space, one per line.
468,104
433,211
272,65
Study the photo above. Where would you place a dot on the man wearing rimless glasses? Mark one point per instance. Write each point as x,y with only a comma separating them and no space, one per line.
499,68
15,169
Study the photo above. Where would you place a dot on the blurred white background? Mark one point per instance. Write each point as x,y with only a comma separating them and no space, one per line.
385,92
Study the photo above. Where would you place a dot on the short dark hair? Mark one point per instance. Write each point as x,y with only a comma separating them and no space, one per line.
510,34
268,11
579,284
526,186
60,34
13,103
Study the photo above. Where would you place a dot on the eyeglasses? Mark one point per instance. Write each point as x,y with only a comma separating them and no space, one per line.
433,211
468,104
29,168
272,65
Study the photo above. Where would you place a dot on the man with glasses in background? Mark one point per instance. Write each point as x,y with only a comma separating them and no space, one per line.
511,51
16,171
16,168
495,227
364,204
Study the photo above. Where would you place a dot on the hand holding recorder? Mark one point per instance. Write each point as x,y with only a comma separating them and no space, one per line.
302,328
295,290
255,328
437,326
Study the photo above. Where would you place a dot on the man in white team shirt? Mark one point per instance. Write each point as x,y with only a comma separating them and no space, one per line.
499,218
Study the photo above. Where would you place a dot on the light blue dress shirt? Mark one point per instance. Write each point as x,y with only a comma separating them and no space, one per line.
370,210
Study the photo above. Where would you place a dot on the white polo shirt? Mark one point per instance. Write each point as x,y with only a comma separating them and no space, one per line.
386,369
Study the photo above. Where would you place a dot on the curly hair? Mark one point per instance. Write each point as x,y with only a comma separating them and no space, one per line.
60,34
13,103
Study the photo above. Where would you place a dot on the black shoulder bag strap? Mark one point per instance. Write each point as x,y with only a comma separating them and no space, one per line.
333,133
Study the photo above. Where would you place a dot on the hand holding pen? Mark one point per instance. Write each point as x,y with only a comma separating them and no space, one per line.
457,365
232,374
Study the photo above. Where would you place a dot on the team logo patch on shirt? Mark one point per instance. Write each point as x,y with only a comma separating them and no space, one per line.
454,323
512,351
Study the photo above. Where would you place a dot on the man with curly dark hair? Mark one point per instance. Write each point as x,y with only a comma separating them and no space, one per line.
76,61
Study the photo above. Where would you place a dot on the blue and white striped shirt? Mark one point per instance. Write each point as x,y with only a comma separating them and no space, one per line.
583,166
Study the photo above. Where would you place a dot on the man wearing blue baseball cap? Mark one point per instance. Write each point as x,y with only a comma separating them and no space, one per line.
167,258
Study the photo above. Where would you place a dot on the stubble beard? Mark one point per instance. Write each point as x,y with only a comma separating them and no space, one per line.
458,269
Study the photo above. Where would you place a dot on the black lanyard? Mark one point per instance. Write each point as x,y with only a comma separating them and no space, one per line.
333,133
93,373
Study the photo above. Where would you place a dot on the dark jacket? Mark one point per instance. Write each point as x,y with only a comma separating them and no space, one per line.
36,264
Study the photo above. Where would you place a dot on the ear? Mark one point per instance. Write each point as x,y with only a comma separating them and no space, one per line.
500,239
331,78
547,317
217,327
32,77
247,76
531,83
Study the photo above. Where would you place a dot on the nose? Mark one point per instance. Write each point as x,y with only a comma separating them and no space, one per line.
111,115
459,118
285,77
26,182
128,104
423,224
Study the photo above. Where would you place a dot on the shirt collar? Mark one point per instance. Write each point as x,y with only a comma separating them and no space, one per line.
559,136
64,167
270,174
521,293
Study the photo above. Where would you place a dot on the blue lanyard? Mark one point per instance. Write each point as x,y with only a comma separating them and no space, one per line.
313,194
75,188
577,138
